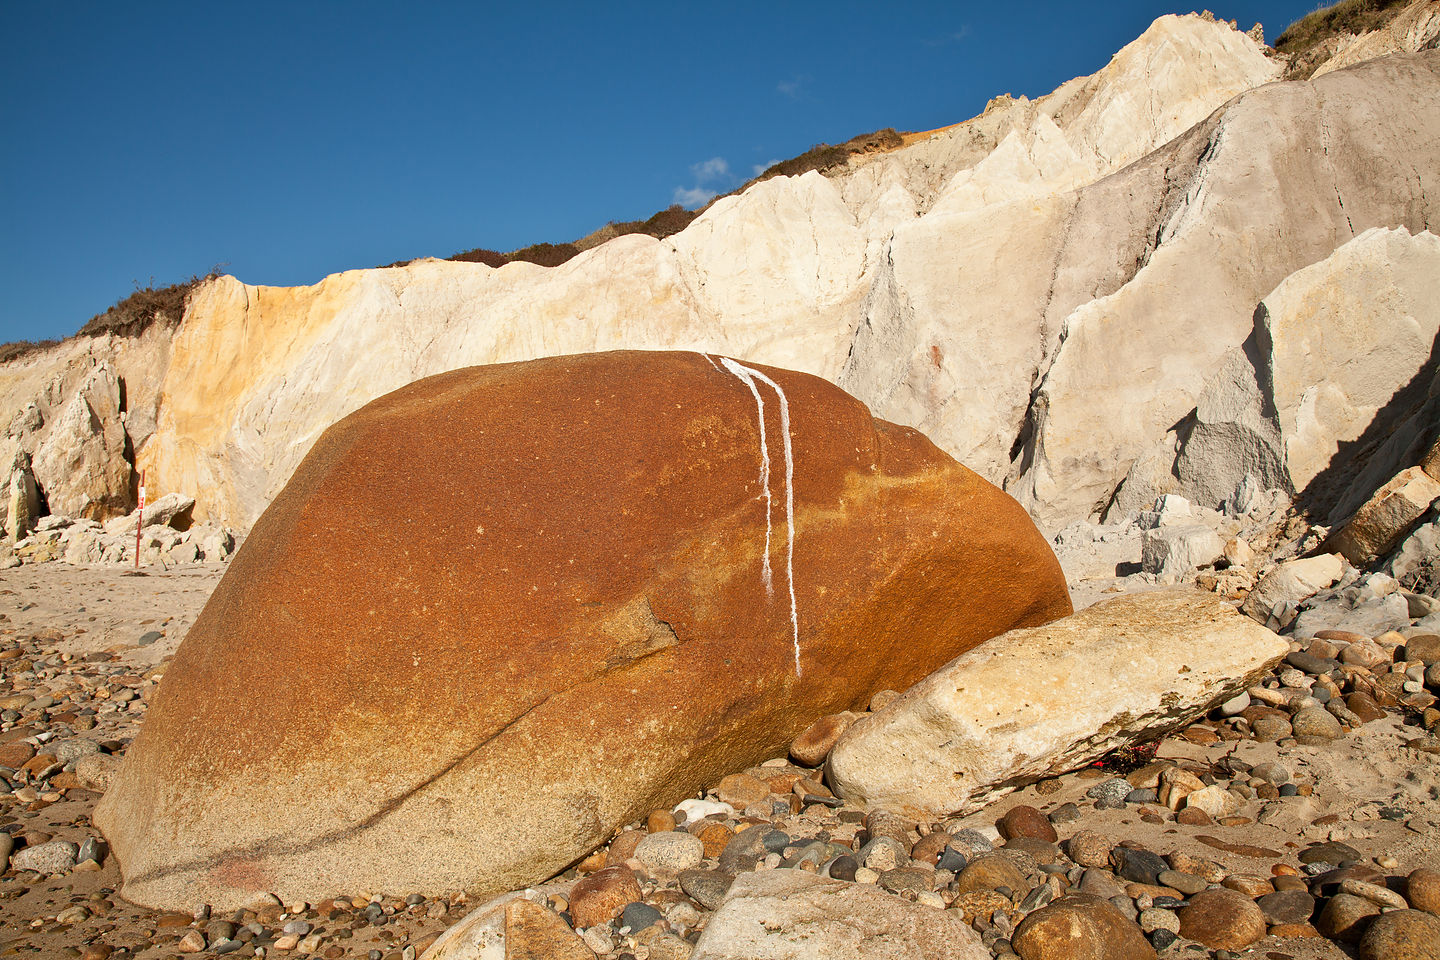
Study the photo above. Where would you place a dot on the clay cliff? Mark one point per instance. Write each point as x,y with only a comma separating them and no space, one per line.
1048,291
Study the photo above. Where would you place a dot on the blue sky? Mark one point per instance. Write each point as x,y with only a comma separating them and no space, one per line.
285,141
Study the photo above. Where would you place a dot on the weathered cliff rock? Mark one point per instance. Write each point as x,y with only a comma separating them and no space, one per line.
1334,352
84,451
599,608
1041,701
1221,216
1386,517
19,496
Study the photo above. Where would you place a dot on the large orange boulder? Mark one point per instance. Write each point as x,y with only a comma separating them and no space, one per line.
500,612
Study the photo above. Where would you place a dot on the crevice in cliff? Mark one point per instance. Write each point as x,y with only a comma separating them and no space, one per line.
1325,152
1184,181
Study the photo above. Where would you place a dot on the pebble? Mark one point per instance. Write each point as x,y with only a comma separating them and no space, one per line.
1248,884
1373,892
1089,849
194,942
638,916
1271,772
813,745
666,854
706,887
1155,919
601,896
1113,791
715,837
741,789
1345,916
1065,813
1139,866
1316,722
1026,821
1424,647
1422,889
1222,920
1332,851
1235,705
1184,882
990,873
1076,928
1269,729
694,810
1287,906
1402,935
56,856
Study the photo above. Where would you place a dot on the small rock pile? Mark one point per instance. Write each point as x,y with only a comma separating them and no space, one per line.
168,537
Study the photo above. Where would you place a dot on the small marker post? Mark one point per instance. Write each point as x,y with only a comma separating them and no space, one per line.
140,520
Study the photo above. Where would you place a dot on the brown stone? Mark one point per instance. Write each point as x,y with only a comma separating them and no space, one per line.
15,755
1194,817
989,873
1038,850
1090,849
1364,707
715,836
1241,849
1026,821
1401,935
1222,920
975,905
660,821
782,783
929,847
1248,884
533,932
1080,927
813,745
1345,917
1293,931
577,588
805,787
600,897
1422,890
37,764
622,848
740,790
1424,647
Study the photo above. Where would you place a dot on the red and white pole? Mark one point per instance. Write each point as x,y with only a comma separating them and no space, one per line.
140,522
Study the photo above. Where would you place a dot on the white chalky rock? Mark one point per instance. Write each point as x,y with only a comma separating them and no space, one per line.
794,915
700,809
1292,582
1037,702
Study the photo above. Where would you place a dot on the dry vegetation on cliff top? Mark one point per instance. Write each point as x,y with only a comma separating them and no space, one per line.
1345,17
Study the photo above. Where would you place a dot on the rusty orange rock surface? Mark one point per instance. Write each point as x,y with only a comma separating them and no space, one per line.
502,611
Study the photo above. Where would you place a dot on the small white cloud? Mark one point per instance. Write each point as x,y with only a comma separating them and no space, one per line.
711,170
954,36
794,88
760,168
692,197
